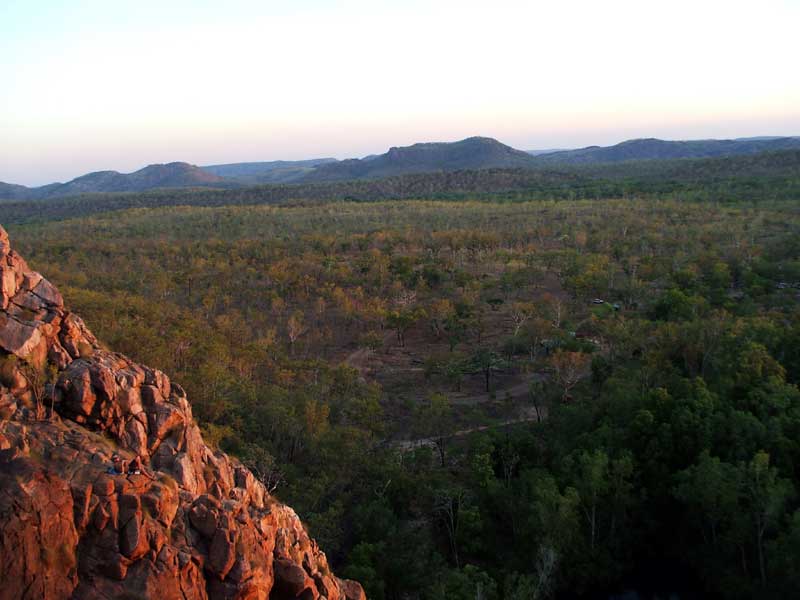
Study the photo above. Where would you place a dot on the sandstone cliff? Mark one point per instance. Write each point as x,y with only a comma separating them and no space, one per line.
192,524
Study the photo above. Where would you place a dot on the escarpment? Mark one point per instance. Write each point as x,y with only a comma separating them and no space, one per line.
107,489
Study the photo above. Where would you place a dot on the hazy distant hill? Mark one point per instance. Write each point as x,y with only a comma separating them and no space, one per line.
13,192
471,153
171,175
177,174
655,149
277,171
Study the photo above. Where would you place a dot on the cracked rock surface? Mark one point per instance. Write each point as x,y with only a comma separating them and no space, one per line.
193,523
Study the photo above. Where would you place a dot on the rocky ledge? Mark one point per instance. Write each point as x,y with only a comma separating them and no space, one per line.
187,523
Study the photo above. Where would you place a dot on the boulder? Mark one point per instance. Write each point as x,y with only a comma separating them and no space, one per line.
48,293
290,579
352,590
18,337
222,552
5,245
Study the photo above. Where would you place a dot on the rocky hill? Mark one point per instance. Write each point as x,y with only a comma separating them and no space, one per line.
187,523
471,153
655,149
171,175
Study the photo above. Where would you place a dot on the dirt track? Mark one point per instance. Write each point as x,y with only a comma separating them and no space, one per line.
406,445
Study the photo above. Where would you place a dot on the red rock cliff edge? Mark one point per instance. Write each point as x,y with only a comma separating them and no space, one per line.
194,524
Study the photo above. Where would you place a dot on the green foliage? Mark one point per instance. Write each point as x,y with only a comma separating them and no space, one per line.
662,431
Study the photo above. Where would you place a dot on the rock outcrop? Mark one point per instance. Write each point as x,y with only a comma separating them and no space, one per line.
188,523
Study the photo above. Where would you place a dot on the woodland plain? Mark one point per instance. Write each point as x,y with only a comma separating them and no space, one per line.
515,398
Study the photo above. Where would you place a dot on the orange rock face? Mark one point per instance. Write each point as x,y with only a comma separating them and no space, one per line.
191,524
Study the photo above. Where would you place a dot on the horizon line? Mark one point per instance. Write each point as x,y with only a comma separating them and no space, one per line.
309,158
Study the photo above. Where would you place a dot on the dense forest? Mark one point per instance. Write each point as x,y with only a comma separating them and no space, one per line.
471,398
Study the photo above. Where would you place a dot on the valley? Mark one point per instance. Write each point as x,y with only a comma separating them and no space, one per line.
392,365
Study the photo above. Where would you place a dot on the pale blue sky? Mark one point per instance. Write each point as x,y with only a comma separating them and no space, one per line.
91,85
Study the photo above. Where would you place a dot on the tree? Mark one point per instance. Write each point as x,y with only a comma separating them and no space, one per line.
538,585
40,380
495,303
456,327
554,307
487,361
550,516
468,583
593,484
520,313
710,488
603,487
765,496
536,331
784,561
435,420
447,508
440,311
735,503
674,305
569,368
262,464
294,328
454,369
402,320
540,396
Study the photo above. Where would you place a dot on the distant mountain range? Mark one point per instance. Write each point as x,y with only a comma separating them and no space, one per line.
469,154
764,176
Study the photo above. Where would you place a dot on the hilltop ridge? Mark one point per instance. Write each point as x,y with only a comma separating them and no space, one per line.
470,153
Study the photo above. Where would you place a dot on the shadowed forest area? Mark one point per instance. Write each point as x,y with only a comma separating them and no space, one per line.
477,398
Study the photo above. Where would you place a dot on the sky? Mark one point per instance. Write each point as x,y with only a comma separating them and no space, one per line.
89,85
